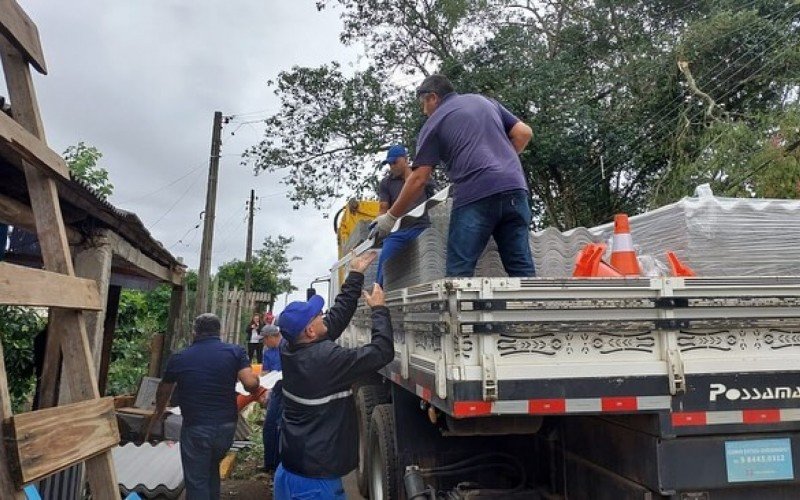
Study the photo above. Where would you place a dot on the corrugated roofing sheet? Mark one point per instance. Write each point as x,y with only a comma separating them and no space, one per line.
149,470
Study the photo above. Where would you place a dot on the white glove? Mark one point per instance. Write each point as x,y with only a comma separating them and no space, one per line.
384,224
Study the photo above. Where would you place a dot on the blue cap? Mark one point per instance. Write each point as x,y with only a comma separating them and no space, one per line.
297,315
395,152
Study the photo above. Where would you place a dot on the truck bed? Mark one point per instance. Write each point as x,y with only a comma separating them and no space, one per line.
710,354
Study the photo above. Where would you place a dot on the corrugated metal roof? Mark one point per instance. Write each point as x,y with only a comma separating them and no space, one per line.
150,470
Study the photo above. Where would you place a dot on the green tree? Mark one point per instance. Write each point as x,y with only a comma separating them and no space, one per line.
618,124
83,165
18,328
141,315
270,268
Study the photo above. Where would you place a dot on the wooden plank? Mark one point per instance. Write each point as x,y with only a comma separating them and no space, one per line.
109,326
224,313
18,214
7,487
18,28
93,262
25,144
156,348
25,286
129,253
66,327
137,411
41,446
174,327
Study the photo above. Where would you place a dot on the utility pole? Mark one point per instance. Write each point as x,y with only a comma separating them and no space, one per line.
248,258
201,301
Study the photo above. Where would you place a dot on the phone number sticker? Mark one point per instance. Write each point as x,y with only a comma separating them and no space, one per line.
759,460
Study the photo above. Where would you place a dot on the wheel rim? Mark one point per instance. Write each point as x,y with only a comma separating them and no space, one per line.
376,473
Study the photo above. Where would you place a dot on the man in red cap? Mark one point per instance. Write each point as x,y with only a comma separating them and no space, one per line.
319,439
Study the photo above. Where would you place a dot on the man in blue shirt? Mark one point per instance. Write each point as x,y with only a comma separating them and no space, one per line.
478,142
388,191
272,363
205,374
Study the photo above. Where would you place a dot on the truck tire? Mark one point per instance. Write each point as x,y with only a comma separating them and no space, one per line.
382,470
367,398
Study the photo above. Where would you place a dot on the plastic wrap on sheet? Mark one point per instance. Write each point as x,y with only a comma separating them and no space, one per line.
714,236
721,236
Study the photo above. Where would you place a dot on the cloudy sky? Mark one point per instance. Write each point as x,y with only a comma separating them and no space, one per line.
140,80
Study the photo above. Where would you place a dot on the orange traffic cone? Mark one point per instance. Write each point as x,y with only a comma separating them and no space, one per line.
583,262
679,269
623,256
589,263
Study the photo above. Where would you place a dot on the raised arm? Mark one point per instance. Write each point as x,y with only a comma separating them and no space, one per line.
343,308
348,365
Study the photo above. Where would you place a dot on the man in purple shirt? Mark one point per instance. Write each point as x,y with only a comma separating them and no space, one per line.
478,142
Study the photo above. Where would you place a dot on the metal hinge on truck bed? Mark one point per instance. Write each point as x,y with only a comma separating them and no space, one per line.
489,378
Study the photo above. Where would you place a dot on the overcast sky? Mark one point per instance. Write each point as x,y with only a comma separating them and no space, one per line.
140,80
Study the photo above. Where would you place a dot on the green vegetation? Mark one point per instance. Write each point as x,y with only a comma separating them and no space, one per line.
82,161
632,103
18,328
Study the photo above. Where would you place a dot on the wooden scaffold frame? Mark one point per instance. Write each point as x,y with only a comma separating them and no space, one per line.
39,443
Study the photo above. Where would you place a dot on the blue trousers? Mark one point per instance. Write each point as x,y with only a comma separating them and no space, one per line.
393,243
202,449
507,217
272,427
291,486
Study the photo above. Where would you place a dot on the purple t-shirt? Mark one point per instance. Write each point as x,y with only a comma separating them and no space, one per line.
469,134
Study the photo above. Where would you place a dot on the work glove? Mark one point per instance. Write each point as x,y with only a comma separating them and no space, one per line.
384,224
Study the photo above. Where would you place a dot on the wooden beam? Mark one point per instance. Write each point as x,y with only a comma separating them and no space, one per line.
93,262
18,28
25,286
109,326
40,445
128,253
174,326
18,214
27,146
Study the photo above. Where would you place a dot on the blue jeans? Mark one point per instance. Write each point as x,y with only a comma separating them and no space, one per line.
393,243
272,427
291,486
202,449
507,217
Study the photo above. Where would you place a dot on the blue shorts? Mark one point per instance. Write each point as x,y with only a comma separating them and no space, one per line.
291,486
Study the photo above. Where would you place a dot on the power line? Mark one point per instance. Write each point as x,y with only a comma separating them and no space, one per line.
175,204
171,183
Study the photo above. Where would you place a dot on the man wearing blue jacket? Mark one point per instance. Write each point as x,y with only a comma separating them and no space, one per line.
319,438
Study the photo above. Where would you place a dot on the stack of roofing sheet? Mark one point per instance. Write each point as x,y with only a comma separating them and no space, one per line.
714,236
423,260
721,236
151,471
554,252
